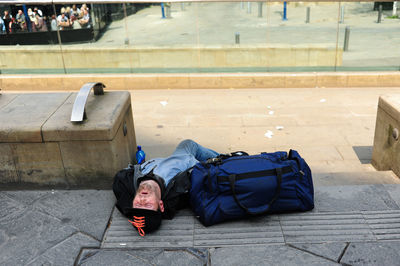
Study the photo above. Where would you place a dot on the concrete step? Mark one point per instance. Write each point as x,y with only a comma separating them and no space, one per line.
354,178
342,214
337,166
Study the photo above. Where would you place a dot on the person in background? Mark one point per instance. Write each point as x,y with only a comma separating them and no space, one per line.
13,26
21,20
38,11
53,23
32,19
74,12
63,22
40,23
7,19
83,7
2,26
84,21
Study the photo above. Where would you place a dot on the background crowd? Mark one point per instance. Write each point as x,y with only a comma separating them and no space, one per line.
33,20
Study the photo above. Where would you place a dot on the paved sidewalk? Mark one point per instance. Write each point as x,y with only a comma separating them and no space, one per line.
351,225
356,219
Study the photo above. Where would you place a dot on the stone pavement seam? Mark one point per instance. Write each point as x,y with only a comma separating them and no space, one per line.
343,252
62,241
312,253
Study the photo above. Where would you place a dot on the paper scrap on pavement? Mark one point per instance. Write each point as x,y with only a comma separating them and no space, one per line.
271,112
122,244
269,107
164,103
269,134
279,127
322,100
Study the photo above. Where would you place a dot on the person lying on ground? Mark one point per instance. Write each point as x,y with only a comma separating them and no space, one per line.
159,187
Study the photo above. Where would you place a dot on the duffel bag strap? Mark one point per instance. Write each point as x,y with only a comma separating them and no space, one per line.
232,180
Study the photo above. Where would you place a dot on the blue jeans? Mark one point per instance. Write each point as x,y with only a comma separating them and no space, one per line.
185,156
188,146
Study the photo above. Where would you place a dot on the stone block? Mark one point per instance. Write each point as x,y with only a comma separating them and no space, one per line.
8,172
386,149
39,163
41,146
22,120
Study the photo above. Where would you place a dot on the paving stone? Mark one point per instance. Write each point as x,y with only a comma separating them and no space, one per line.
29,235
144,257
372,253
385,225
264,255
177,232
320,227
64,253
353,198
394,192
10,209
88,210
256,230
28,197
331,251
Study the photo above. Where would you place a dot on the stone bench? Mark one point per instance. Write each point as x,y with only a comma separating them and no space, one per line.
386,150
65,139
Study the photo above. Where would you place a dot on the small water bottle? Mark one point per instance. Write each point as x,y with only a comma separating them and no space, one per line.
140,155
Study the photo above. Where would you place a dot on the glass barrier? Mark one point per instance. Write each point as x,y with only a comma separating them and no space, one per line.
191,37
370,39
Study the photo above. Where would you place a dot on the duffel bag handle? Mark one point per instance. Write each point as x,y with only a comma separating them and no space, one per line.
232,180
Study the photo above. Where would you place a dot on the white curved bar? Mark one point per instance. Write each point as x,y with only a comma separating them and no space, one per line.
78,110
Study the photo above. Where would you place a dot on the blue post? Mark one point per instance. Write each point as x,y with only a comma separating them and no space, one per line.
27,19
284,11
162,10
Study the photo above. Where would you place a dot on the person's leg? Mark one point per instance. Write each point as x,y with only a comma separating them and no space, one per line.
199,152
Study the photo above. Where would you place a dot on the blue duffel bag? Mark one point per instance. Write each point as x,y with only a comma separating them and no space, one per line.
234,187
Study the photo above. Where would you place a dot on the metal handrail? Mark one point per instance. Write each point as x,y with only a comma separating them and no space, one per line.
78,110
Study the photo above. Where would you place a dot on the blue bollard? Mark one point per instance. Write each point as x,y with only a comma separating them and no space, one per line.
162,10
284,11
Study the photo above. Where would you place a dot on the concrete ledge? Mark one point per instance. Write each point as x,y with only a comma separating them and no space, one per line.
73,82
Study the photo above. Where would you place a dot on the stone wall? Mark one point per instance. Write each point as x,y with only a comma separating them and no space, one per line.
52,57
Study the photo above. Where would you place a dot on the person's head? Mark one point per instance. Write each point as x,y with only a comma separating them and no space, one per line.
20,11
5,12
147,205
148,196
85,11
74,7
